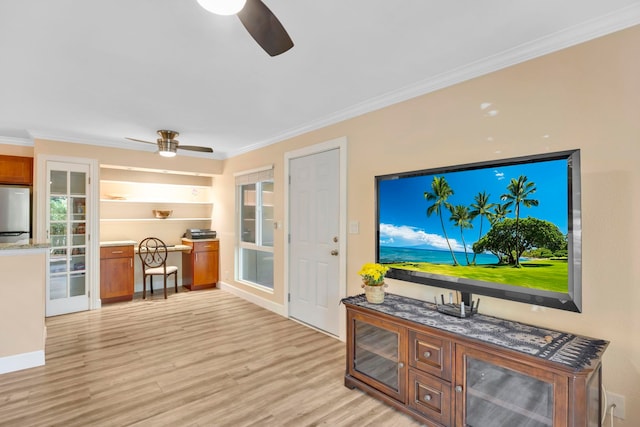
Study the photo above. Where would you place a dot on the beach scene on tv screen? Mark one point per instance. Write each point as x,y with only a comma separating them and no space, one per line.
498,224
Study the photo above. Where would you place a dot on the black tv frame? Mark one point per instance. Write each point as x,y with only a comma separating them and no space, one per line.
570,301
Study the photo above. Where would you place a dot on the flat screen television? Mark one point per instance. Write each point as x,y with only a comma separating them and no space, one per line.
507,228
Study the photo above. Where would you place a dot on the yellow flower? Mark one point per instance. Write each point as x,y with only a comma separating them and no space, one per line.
373,274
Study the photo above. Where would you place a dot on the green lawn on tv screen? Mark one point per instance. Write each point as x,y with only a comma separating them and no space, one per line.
548,275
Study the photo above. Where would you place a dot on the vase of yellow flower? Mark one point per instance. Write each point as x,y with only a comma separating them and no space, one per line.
373,281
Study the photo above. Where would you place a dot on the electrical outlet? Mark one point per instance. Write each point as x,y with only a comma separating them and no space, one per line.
618,400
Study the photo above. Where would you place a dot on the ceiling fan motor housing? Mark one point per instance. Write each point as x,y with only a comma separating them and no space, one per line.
166,146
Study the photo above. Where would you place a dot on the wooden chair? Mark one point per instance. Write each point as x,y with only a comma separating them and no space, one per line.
153,254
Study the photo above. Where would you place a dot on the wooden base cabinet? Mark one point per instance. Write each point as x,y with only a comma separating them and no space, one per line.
445,379
200,265
116,273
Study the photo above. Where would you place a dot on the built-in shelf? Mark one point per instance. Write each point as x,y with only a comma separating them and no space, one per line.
147,192
128,199
153,202
151,219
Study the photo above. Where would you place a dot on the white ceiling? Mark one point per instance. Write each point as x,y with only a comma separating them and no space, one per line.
97,71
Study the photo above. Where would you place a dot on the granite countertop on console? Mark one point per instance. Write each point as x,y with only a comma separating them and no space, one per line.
567,349
200,240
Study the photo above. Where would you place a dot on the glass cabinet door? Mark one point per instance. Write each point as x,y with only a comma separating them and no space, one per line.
67,290
501,393
378,354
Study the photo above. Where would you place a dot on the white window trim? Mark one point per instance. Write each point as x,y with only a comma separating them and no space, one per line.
251,176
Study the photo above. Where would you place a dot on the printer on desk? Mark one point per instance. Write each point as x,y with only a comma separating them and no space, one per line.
199,233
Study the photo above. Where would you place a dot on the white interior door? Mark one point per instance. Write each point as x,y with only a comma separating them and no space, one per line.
314,224
67,201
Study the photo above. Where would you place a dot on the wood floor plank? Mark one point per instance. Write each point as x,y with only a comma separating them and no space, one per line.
204,358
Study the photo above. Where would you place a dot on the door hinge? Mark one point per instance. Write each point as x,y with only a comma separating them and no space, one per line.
289,238
289,297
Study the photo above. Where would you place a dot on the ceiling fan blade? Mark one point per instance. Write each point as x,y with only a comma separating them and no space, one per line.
195,148
265,28
139,140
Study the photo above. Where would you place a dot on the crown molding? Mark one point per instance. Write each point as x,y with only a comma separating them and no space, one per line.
25,142
616,21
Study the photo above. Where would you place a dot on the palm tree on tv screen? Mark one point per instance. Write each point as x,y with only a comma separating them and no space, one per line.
440,192
519,191
499,213
482,208
461,218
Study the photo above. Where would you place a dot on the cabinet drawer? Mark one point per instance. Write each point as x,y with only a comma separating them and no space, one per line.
205,246
430,397
430,354
116,251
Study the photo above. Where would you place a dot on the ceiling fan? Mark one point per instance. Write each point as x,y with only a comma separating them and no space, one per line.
259,21
167,145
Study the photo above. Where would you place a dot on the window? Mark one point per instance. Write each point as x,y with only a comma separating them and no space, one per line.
254,255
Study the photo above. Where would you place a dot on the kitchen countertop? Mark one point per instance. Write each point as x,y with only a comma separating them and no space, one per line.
23,246
184,239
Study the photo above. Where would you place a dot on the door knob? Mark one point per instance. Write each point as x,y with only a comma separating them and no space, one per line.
334,252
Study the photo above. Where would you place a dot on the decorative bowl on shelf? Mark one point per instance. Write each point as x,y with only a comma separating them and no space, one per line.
162,214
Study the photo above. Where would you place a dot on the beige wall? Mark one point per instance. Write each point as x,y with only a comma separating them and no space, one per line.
8,149
22,284
586,97
128,158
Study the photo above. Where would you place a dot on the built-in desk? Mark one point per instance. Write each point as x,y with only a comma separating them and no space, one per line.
117,264
171,248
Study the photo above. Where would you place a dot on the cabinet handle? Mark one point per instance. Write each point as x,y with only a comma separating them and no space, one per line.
458,389
400,365
117,252
427,397
427,354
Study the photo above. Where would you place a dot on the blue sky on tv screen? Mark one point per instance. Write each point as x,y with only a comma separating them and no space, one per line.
403,218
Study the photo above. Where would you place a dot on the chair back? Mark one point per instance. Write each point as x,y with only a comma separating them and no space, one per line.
152,252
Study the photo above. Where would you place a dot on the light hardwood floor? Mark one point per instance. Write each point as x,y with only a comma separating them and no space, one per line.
204,358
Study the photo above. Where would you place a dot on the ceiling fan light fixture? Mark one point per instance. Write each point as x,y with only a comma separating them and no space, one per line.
222,7
167,148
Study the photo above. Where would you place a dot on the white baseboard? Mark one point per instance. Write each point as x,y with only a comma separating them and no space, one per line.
253,298
18,362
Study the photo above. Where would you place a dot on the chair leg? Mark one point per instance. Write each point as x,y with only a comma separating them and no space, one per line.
175,280
144,286
165,286
151,284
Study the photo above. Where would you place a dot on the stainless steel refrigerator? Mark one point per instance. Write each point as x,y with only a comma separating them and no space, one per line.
15,214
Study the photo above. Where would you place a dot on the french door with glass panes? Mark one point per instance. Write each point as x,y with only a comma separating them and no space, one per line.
67,228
